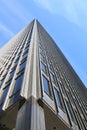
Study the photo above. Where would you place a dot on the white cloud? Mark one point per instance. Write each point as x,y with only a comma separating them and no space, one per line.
73,10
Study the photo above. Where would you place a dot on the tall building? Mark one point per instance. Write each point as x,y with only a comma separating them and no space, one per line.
39,90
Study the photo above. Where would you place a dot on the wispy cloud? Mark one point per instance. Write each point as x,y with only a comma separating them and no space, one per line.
16,9
73,10
45,4
13,16
6,30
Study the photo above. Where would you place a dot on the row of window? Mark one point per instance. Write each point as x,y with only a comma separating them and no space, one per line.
16,63
18,81
46,82
69,108
46,85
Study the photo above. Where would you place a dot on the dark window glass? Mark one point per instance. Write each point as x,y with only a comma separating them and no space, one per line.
57,98
27,47
52,77
19,53
16,62
22,66
1,107
26,51
43,67
14,98
5,74
18,84
49,66
42,57
17,58
1,72
12,74
46,85
5,90
1,82
28,43
25,55
8,82
40,50
13,68
68,112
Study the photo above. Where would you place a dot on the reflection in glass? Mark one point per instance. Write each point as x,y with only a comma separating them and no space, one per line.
43,67
57,98
18,84
46,85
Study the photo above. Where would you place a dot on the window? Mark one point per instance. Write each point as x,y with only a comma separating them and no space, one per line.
52,77
12,74
18,84
1,107
16,62
5,90
5,74
57,97
14,98
18,58
68,112
49,66
28,43
26,51
41,51
19,53
42,57
46,85
27,47
1,82
22,66
43,67
25,55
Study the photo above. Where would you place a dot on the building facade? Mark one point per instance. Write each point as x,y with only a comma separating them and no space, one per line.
39,90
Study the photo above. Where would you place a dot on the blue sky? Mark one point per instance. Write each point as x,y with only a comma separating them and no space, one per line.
65,21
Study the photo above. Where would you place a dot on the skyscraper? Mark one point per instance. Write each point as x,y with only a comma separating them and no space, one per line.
39,90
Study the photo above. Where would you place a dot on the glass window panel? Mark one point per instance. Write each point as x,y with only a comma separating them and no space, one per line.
18,84
49,66
16,62
43,67
69,110
57,98
4,75
26,51
1,107
1,82
42,57
22,66
46,85
41,51
52,77
4,94
14,98
12,74
25,55
27,47
28,43
19,53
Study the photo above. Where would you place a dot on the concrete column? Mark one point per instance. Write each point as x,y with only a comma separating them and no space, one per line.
30,116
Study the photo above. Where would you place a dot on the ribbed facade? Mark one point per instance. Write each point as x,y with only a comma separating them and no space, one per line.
39,90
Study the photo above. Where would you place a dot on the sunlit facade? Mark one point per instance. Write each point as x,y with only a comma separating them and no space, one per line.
39,90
